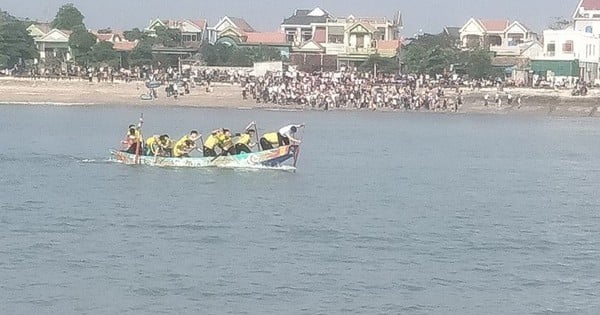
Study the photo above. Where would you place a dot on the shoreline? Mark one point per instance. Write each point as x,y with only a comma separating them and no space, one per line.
41,92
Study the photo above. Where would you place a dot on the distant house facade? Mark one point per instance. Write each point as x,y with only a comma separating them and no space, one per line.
51,43
347,41
573,52
500,36
193,32
236,31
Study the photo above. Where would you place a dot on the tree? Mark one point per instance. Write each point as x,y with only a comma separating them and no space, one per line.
141,54
430,54
16,45
134,34
81,42
102,54
384,65
67,18
478,64
168,37
559,23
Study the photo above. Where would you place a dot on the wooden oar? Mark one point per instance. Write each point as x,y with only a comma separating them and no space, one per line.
138,146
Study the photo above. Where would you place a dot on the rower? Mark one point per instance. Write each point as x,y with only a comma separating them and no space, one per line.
226,142
244,142
133,138
183,148
211,142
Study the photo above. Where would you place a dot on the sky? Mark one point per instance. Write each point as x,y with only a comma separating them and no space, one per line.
426,16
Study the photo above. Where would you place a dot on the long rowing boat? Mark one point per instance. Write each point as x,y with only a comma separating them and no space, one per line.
269,158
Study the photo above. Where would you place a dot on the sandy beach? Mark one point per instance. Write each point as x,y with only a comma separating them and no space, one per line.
76,92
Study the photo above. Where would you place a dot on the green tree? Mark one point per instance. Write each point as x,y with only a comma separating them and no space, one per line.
15,44
141,54
81,42
430,54
168,37
102,54
68,17
478,64
384,65
134,34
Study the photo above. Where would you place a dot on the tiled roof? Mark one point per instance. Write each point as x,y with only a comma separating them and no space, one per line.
200,23
242,24
591,4
452,31
44,27
104,37
125,45
494,25
265,38
302,17
388,44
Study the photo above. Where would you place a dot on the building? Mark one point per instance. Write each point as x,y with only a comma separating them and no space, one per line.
51,43
321,41
574,52
193,32
500,36
234,31
234,28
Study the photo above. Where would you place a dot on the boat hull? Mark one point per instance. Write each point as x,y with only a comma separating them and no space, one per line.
269,158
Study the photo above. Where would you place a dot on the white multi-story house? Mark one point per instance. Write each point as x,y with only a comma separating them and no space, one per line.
573,52
193,32
499,36
51,42
350,40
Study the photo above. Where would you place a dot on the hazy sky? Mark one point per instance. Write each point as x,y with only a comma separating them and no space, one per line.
266,15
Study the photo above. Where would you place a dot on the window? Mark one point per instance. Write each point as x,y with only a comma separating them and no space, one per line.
335,34
589,29
568,47
306,35
290,36
551,49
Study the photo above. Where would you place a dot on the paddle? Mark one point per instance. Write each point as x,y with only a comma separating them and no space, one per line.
138,145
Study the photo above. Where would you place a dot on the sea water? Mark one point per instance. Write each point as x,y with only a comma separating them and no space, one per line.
388,213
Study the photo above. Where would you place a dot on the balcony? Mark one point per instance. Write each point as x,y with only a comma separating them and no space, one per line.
506,50
361,51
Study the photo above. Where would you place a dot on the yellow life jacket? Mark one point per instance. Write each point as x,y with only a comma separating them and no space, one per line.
153,144
244,139
179,147
225,141
271,137
211,142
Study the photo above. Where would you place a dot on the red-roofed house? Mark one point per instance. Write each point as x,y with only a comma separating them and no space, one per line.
587,16
500,36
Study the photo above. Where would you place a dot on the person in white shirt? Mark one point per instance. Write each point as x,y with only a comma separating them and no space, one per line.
287,134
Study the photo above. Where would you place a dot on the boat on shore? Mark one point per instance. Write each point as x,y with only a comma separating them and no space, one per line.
268,158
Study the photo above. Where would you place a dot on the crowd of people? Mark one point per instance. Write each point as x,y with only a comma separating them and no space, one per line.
220,142
350,89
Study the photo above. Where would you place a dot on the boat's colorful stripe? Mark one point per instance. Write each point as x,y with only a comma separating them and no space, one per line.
274,157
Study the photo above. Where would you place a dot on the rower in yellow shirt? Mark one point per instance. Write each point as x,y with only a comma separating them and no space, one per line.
244,142
211,142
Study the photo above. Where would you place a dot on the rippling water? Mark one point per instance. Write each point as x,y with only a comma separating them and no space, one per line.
388,213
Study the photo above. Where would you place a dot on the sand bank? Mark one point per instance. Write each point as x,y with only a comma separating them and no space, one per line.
76,92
